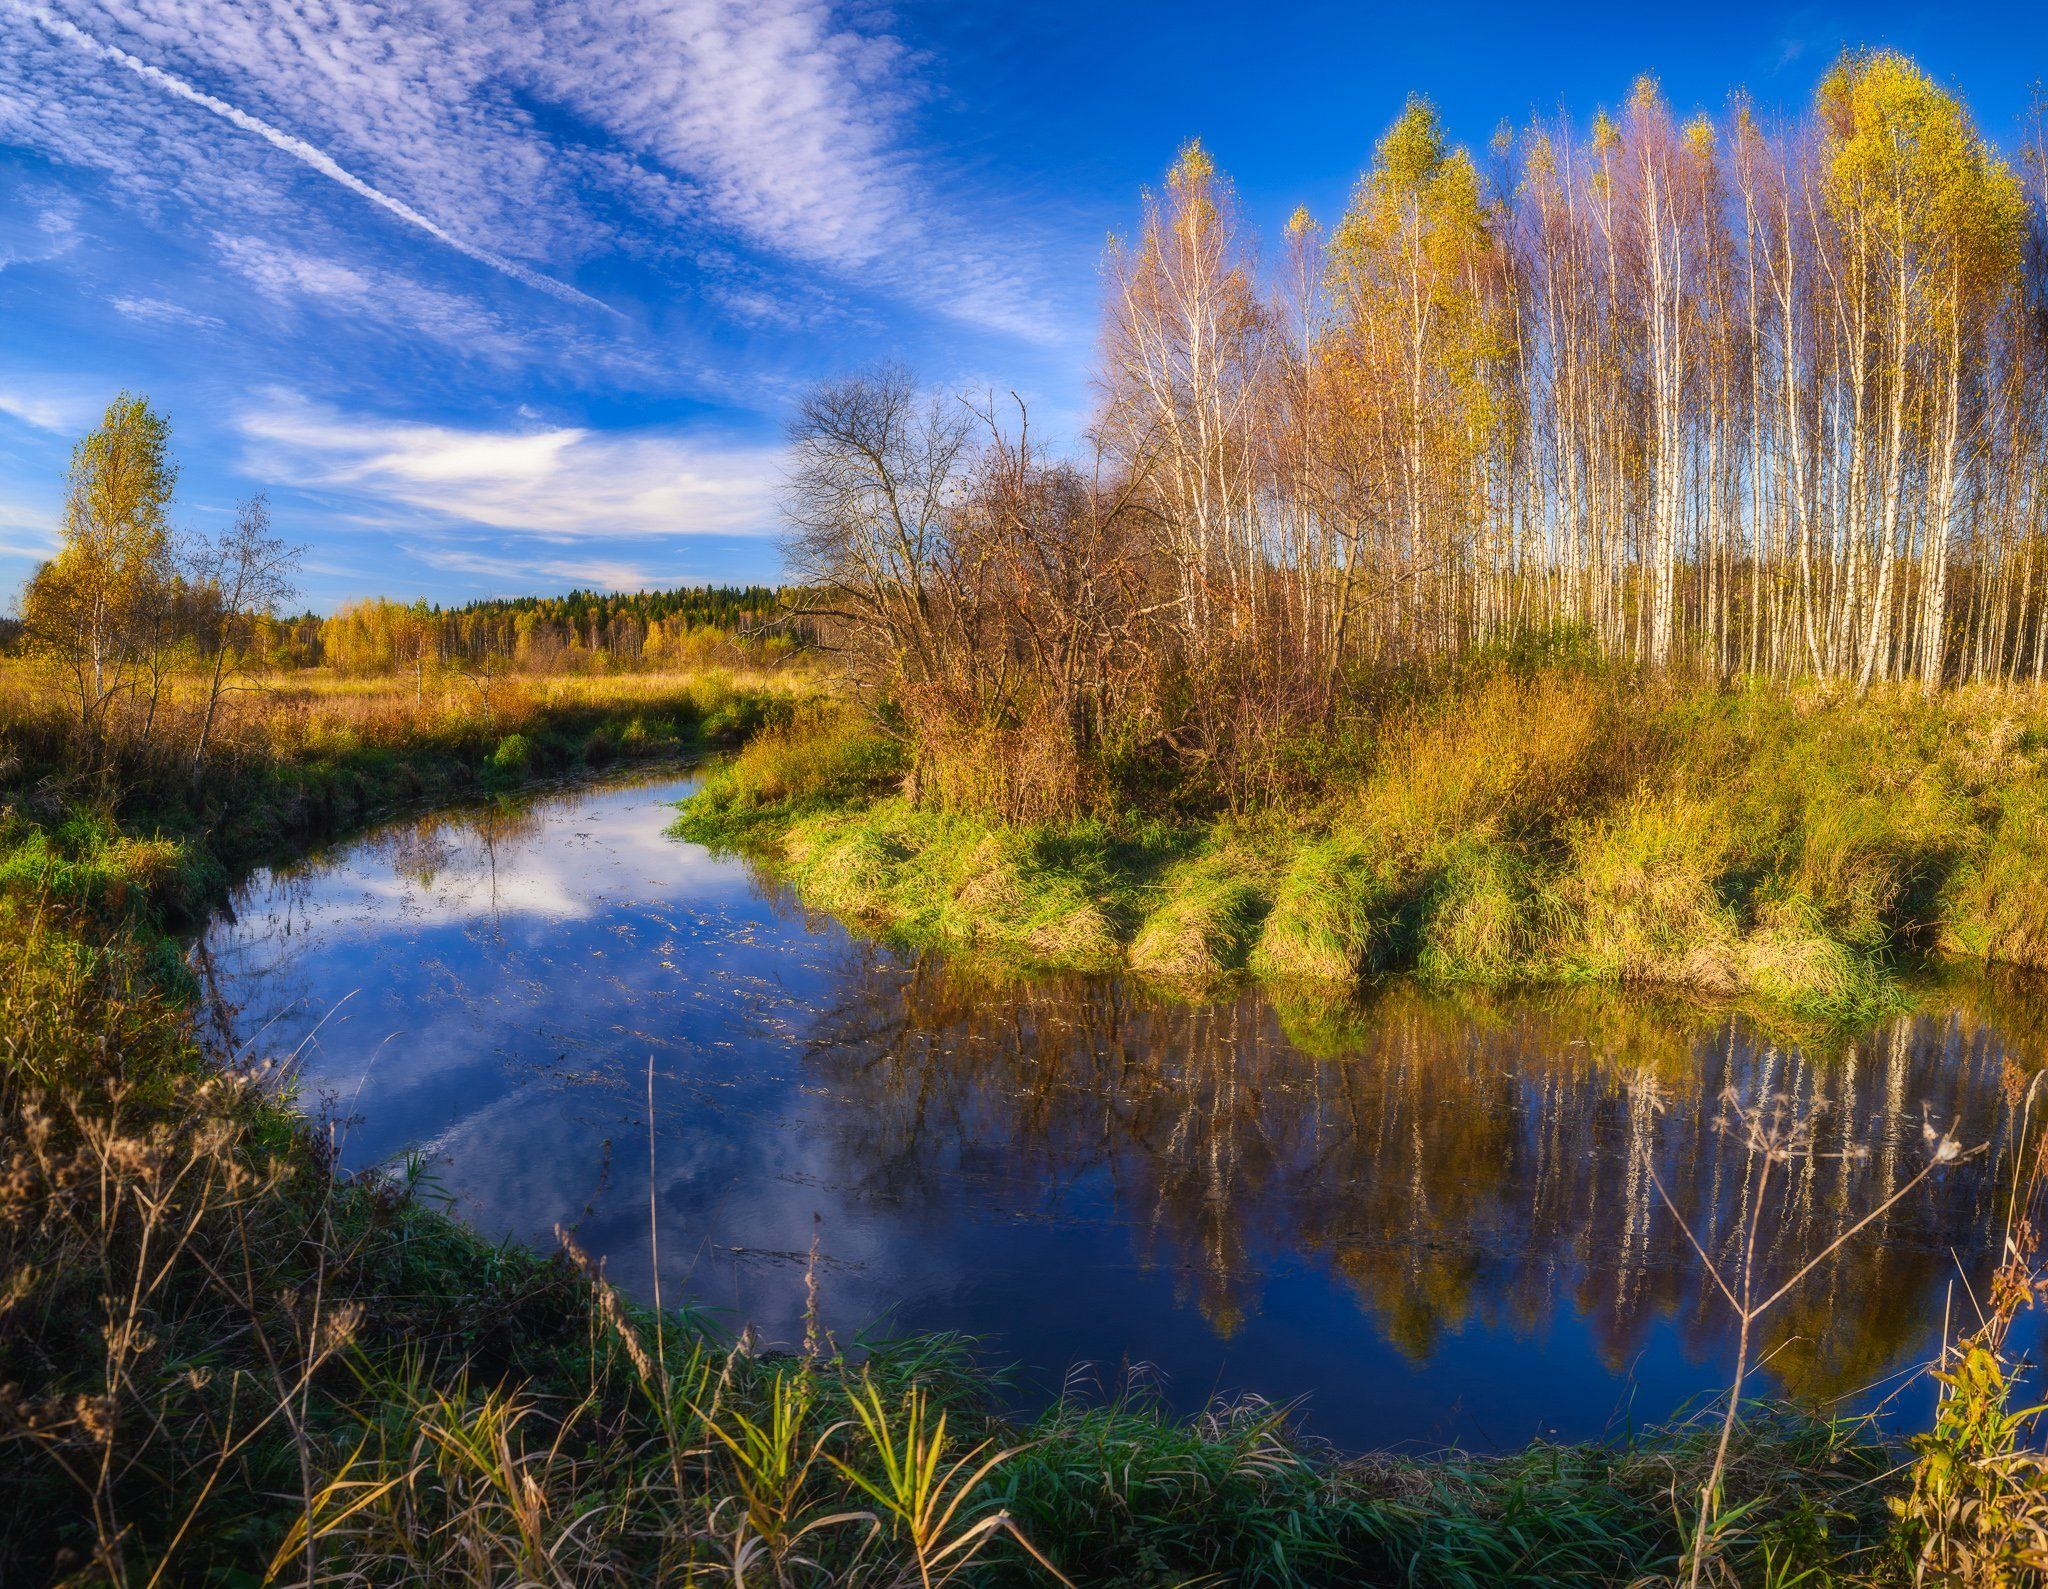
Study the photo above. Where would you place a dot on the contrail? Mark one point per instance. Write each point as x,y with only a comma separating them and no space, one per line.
318,159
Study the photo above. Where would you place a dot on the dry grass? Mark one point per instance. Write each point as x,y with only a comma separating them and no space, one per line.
1567,825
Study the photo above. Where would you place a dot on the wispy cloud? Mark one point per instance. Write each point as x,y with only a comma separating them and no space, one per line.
306,153
161,311
562,483
37,232
521,573
45,409
27,530
787,126
259,193
786,120
367,292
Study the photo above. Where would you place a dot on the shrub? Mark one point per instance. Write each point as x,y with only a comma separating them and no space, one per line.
513,757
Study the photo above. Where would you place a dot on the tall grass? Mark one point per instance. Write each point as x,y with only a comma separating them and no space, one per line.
316,755
1562,824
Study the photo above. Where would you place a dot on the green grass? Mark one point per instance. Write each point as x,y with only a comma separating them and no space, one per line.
1569,825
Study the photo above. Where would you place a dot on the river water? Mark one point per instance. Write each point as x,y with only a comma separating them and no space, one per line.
1429,1218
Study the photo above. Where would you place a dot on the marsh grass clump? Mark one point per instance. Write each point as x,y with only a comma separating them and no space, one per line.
1053,898
822,755
1480,916
1640,899
1997,906
1235,1491
1335,915
513,757
1206,920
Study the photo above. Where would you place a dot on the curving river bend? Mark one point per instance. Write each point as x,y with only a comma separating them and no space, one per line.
1436,1218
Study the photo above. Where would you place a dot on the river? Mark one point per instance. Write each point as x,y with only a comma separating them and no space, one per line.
1429,1218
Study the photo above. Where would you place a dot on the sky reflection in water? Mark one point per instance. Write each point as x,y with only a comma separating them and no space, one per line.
1434,1217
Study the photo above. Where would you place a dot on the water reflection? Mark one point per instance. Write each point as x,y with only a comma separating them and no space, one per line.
1436,1217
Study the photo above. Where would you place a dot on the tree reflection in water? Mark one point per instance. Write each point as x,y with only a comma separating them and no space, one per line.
1456,1159
1433,1214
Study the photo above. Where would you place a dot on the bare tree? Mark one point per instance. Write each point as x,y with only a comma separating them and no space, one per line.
247,573
875,479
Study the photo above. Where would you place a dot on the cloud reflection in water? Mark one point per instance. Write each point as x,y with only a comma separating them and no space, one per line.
1433,1216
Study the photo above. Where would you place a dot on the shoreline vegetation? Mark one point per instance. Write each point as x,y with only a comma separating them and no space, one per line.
1512,822
223,1361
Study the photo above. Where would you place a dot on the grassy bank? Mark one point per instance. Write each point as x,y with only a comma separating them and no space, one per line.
223,1362
1495,825
315,756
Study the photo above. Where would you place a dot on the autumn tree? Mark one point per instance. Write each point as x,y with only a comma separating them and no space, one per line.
1185,388
1927,222
1420,350
1699,392
96,609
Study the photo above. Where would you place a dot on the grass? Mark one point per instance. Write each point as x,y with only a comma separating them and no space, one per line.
1562,824
221,1361
317,755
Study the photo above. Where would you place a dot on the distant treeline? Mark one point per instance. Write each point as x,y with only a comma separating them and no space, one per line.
136,636
584,629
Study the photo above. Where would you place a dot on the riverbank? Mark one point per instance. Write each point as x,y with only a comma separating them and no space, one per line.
1797,850
224,1362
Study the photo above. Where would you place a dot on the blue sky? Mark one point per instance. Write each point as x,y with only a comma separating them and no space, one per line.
513,295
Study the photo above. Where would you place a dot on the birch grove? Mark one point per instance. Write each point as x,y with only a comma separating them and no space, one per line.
1724,396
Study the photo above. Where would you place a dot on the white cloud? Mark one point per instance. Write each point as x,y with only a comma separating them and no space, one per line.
299,149
367,292
27,530
787,124
520,574
785,119
48,410
38,228
161,311
563,483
